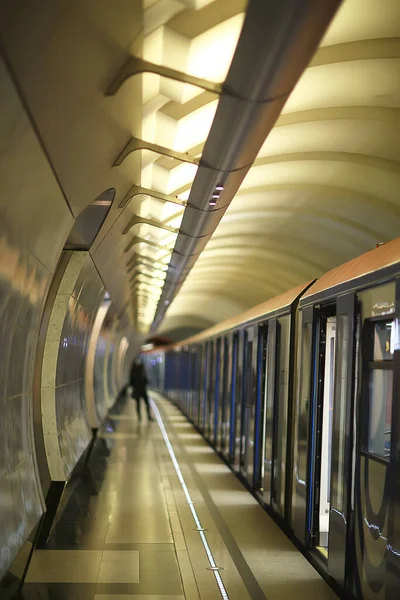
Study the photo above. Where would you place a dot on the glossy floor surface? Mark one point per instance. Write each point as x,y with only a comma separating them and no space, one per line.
128,531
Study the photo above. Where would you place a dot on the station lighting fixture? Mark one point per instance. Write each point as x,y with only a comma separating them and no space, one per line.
216,195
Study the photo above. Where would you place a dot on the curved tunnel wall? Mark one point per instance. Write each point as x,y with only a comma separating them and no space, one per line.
31,239
66,423
95,406
109,373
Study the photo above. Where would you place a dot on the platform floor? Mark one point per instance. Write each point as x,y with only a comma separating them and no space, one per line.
128,531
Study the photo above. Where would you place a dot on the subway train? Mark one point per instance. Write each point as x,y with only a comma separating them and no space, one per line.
301,397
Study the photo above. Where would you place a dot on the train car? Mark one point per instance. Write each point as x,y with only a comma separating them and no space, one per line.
301,397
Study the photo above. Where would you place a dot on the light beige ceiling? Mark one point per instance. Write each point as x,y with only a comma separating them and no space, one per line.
323,189
325,185
197,38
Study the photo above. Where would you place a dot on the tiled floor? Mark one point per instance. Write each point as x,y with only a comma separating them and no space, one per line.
128,532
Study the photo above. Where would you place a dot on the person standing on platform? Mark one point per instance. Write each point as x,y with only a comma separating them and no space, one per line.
139,381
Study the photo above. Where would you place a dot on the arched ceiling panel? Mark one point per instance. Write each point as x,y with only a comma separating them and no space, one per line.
324,186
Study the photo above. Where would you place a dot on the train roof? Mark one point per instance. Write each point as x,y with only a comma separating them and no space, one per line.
369,262
273,304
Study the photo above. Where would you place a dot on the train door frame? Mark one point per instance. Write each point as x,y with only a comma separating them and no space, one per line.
227,425
204,380
216,389
247,397
236,398
376,494
301,422
209,415
338,547
394,510
262,337
269,400
317,424
341,513
232,396
224,374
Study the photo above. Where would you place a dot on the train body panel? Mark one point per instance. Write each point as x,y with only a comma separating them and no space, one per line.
301,396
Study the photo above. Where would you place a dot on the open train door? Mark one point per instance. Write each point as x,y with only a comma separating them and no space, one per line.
340,505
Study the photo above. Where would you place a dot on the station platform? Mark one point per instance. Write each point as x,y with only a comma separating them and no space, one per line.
133,528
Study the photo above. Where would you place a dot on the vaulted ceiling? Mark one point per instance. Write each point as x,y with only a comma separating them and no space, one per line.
324,187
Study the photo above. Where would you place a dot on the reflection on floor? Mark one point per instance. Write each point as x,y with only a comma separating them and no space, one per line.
128,532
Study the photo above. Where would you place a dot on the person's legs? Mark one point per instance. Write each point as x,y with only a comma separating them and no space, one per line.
146,399
136,396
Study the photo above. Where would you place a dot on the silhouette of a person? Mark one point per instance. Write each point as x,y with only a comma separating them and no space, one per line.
139,381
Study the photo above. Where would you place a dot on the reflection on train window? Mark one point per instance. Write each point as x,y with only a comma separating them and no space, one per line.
383,341
378,301
378,377
380,412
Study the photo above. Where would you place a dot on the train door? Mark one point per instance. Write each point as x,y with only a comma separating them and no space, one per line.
321,431
341,489
203,387
377,529
210,397
268,411
259,439
305,369
216,393
279,488
195,384
247,441
222,408
238,400
227,424
251,439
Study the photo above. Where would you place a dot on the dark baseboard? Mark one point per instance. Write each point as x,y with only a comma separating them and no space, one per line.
53,498
89,449
11,583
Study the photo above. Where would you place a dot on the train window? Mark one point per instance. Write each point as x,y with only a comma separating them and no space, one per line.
380,412
377,308
378,342
383,341
280,460
378,301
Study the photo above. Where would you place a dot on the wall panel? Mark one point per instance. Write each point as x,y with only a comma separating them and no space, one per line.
34,222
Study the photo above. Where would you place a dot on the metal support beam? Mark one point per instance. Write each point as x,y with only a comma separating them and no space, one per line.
136,66
152,222
137,190
135,144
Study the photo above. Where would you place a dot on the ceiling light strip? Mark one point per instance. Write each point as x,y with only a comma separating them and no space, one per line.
211,560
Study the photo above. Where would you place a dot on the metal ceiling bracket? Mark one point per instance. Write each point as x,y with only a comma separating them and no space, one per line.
141,274
152,222
142,258
139,240
135,66
137,190
136,283
135,144
147,265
